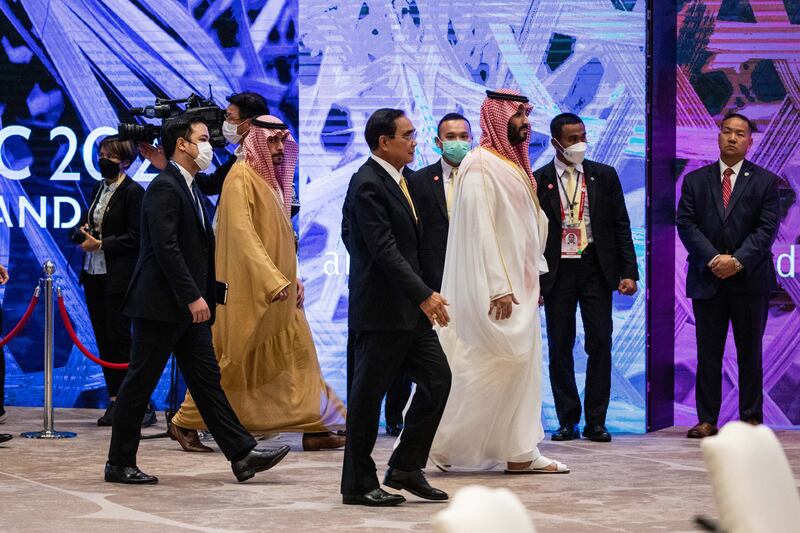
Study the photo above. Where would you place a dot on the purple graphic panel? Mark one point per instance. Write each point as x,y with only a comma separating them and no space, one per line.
743,56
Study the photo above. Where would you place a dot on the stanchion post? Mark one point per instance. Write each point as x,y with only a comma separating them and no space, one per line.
48,432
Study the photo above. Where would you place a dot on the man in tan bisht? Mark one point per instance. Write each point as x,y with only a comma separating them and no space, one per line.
263,343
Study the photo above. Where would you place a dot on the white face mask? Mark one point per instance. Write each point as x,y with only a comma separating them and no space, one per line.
575,153
204,155
229,131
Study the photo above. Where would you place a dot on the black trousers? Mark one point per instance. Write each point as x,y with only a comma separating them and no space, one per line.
747,313
580,281
380,357
112,329
153,341
397,395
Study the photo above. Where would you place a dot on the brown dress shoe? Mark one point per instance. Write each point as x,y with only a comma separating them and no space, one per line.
702,430
314,442
188,439
753,422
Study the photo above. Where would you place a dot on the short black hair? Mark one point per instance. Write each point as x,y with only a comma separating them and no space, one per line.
564,119
733,114
176,128
250,104
381,122
452,116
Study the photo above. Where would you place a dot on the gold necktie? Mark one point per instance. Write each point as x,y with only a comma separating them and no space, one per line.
451,185
572,185
404,188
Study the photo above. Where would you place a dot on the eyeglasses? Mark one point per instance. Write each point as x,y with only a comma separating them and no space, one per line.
408,137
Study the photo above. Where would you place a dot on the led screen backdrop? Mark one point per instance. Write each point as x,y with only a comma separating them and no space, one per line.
430,58
69,69
743,56
77,64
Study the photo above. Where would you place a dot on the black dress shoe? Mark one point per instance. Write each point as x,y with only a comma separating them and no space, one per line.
108,417
566,432
149,418
4,437
393,430
374,498
414,482
597,433
257,461
130,475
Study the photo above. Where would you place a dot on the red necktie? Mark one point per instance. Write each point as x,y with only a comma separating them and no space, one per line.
726,186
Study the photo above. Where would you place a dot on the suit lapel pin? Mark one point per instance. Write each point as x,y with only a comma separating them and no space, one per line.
746,173
550,186
436,178
591,178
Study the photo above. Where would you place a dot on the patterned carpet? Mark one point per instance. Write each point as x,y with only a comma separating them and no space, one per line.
638,483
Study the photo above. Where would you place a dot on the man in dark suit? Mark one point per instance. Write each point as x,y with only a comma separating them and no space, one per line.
432,189
728,218
171,300
391,310
589,254
400,390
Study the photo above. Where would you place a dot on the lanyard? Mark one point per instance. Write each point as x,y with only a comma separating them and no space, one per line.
572,203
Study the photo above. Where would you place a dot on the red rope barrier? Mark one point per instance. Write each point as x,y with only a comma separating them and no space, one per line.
22,321
72,335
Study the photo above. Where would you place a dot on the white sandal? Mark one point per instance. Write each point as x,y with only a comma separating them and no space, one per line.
540,466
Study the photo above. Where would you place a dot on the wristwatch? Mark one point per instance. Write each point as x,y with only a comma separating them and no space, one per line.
739,265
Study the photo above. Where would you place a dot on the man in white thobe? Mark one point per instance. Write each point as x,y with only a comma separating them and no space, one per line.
493,261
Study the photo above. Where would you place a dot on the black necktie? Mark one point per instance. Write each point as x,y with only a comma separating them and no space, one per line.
197,204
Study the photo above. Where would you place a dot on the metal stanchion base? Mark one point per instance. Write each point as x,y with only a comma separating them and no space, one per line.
49,435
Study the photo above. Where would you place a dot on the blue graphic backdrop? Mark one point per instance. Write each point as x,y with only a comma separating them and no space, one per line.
430,58
68,71
77,64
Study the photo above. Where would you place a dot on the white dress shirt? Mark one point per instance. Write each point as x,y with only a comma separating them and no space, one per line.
736,168
393,172
189,180
561,169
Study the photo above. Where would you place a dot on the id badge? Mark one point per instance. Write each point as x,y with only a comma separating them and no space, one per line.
570,243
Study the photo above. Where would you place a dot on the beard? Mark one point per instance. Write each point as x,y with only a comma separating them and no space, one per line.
277,159
517,135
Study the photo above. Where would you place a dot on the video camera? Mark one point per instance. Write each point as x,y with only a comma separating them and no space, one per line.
196,107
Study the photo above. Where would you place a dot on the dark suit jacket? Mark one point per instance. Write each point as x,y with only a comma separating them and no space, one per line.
176,259
379,231
611,227
431,205
746,229
120,231
211,184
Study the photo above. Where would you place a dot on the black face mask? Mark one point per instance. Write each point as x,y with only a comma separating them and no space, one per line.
108,168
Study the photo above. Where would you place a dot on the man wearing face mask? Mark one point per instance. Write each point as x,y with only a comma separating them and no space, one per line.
242,107
110,230
171,300
589,255
270,371
432,189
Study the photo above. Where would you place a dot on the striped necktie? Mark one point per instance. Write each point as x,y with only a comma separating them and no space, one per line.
726,187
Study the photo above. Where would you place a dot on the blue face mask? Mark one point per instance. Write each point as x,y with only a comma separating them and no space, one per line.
455,151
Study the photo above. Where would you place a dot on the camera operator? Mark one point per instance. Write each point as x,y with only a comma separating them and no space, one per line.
109,234
3,416
242,107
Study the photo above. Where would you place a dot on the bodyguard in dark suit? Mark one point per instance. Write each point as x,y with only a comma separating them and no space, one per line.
391,309
728,218
432,188
584,203
171,300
